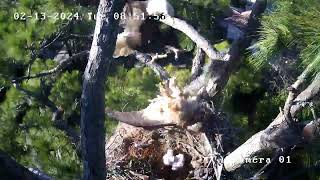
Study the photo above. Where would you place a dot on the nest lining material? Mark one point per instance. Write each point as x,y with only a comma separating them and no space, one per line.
137,153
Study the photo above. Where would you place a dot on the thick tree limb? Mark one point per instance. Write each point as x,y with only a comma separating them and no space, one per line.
278,134
10,169
312,91
217,73
192,34
93,94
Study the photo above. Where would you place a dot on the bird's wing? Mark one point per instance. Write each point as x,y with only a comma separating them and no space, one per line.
137,118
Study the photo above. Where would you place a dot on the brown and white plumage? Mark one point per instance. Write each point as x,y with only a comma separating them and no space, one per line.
138,31
169,108
130,39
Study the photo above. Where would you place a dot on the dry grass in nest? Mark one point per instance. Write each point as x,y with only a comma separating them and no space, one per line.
136,153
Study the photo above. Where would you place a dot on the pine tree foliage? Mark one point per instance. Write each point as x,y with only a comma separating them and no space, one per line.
27,132
290,24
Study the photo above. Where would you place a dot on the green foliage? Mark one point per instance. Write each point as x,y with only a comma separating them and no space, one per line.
185,42
7,119
200,14
268,108
45,147
244,82
181,75
129,90
66,92
275,35
292,24
26,129
33,140
223,46
244,79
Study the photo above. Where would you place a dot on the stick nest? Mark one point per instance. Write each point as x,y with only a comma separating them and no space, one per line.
137,153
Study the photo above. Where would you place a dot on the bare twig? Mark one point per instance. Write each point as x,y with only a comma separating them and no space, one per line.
45,44
59,68
57,115
150,62
174,50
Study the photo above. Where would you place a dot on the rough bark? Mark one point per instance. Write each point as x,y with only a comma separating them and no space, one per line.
217,73
92,110
193,34
197,64
279,134
10,169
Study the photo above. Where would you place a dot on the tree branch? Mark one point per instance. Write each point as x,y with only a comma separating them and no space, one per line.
278,134
217,73
59,68
150,62
197,64
57,114
10,169
192,34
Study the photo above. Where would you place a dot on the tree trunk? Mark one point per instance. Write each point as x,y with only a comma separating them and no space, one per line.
92,110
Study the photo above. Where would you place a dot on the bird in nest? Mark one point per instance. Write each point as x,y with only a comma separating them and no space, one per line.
171,107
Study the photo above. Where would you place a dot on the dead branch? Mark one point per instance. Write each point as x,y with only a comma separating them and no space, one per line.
197,64
10,169
59,68
192,34
174,50
137,119
217,73
278,134
150,62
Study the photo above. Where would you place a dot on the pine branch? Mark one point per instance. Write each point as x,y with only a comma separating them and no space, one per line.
58,69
